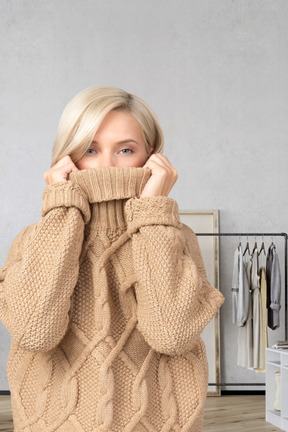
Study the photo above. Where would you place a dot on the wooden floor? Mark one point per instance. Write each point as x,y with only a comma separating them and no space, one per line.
236,414
223,414
6,424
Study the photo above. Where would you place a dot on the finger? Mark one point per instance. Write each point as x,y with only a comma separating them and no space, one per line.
155,164
73,168
165,160
67,168
155,160
65,160
161,160
160,164
166,163
60,173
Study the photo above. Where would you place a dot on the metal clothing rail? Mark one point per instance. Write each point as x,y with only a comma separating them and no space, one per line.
245,234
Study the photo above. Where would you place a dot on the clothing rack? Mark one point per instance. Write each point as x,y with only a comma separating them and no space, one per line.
245,234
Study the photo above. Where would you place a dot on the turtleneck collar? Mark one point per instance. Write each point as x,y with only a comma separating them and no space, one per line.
111,183
108,189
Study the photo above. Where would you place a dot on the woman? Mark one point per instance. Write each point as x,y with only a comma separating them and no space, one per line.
106,296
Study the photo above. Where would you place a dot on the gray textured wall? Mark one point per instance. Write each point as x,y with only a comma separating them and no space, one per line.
215,72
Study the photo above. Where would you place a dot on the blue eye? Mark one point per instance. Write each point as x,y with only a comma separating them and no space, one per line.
126,150
90,151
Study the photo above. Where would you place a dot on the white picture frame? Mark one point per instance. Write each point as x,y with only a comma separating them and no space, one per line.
207,221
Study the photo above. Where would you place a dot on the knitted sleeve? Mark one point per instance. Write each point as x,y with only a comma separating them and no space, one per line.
174,299
41,271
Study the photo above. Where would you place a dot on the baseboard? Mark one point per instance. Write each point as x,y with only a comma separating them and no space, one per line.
242,392
223,392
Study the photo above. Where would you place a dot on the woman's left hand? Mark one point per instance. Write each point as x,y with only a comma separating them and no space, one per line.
163,176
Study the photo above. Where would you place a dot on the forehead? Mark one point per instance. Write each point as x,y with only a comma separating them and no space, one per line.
118,123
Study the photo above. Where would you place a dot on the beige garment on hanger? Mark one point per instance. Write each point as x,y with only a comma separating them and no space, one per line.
263,290
256,312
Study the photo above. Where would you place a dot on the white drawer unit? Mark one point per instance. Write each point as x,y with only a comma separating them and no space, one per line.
277,361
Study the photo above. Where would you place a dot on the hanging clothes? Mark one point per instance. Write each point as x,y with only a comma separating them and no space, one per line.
245,333
259,287
263,291
235,287
273,287
240,290
257,311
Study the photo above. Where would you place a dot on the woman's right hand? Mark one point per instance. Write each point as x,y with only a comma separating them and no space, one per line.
60,171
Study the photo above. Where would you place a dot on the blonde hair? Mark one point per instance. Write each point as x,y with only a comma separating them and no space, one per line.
83,115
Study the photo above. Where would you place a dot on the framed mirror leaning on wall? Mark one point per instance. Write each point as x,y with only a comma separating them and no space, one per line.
207,221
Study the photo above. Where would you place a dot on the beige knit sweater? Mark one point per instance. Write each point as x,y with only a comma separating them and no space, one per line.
105,299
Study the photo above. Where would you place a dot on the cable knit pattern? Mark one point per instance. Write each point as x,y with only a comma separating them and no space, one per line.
105,299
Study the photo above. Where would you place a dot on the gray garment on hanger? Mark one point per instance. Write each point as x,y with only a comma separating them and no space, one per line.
240,290
245,333
256,311
273,276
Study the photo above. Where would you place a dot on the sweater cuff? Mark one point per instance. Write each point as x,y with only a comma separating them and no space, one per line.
64,194
151,211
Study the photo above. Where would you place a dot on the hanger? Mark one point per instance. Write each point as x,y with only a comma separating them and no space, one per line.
247,248
255,246
239,244
262,248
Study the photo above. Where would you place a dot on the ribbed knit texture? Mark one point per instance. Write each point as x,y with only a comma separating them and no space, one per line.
105,299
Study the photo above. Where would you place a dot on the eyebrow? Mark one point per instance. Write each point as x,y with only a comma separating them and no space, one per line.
126,141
